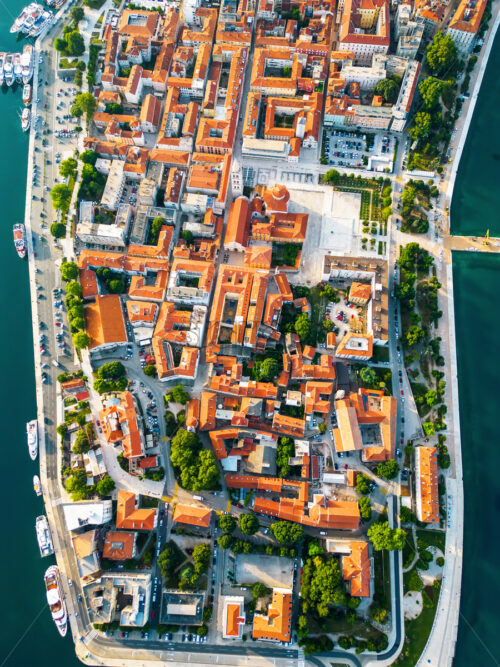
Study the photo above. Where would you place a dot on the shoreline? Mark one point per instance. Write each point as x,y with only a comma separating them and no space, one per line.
446,624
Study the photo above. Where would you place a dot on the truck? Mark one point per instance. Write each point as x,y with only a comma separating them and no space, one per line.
198,498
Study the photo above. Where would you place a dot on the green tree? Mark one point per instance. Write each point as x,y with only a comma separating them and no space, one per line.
286,532
112,370
314,548
77,14
388,469
68,167
225,541
187,236
60,44
208,472
368,375
76,43
429,428
414,335
183,448
284,451
378,614
260,590
58,230
178,395
74,288
62,429
114,108
431,398
69,271
332,176
406,515
202,631
302,326
150,369
80,340
85,103
430,90
383,536
365,508
61,197
116,286
441,54
362,484
89,157
81,445
389,90
227,523
201,557
413,256
422,124
248,524
302,626
76,484
268,369
105,486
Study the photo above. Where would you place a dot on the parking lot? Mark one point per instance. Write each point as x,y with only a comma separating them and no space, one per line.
354,149
346,317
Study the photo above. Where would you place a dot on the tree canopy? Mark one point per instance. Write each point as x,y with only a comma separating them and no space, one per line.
75,42
248,524
227,523
89,157
302,326
287,532
422,124
197,467
61,197
383,536
389,90
69,271
368,375
80,340
321,583
430,90
414,335
105,486
362,484
441,54
68,167
284,451
365,508
178,395
58,230
412,255
387,469
84,103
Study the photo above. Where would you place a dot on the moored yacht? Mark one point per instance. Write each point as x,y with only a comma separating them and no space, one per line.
27,63
32,432
55,599
43,536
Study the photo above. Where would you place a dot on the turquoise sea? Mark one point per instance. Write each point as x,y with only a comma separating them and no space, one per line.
27,633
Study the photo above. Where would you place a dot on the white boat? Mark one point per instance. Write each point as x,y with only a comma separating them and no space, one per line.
26,19
27,63
8,69
27,94
18,68
25,119
2,59
37,485
55,599
32,431
43,536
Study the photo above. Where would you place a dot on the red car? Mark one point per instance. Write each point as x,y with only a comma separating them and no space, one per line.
402,393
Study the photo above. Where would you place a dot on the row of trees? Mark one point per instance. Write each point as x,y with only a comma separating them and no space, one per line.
74,305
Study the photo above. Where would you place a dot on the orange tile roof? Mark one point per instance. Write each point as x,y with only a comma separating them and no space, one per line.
129,518
141,312
148,462
317,397
468,15
238,223
104,321
208,406
355,346
119,545
88,281
192,515
235,618
258,257
119,423
361,291
139,289
334,514
145,27
277,625
427,485
193,413
281,228
356,567
227,385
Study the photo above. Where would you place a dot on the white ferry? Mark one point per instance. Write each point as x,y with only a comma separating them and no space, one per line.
18,68
27,63
2,60
25,119
43,536
8,69
32,431
55,599
37,486
27,94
